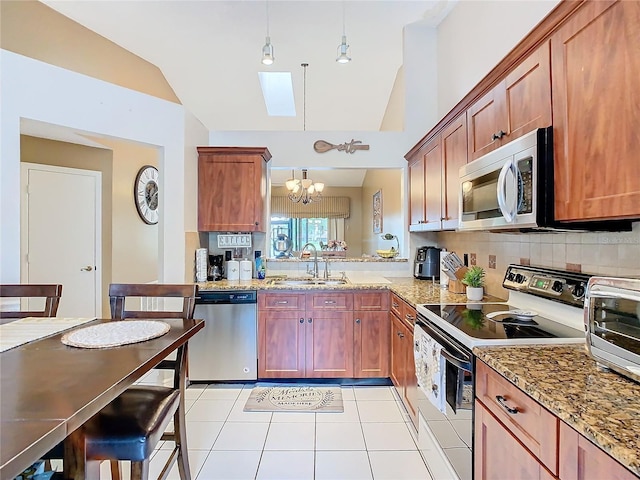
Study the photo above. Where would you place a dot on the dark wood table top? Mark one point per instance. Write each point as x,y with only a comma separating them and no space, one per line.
48,389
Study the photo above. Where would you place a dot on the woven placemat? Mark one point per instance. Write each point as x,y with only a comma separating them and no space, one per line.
115,334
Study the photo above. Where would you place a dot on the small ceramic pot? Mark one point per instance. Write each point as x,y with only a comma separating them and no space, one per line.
475,293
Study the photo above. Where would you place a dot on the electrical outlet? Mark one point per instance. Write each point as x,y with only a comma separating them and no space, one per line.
472,259
492,261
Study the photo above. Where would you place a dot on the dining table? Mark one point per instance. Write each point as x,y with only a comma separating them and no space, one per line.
48,389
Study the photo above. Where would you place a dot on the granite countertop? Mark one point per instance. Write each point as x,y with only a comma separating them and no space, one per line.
332,259
602,406
410,289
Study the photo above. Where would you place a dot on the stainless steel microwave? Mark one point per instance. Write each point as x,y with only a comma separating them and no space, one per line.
612,323
512,188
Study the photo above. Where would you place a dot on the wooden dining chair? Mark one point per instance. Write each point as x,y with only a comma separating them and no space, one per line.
130,427
50,293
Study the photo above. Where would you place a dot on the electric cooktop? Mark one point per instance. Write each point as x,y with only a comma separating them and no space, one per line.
500,321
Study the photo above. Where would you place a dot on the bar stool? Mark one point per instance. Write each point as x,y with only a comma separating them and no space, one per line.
130,427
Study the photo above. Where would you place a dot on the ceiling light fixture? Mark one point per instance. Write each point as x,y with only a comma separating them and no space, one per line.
304,190
267,50
343,48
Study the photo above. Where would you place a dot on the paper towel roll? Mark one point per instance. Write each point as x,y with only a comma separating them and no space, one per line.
233,270
201,264
246,269
444,279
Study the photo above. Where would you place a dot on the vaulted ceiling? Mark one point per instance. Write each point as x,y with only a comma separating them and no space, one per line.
210,51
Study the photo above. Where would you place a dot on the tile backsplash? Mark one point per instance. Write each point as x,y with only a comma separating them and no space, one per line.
602,253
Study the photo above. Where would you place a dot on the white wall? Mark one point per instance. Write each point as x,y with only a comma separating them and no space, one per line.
38,91
475,36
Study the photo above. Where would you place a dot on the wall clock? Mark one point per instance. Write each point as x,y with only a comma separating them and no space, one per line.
145,193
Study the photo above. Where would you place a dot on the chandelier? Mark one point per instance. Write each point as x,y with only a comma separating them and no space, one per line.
304,190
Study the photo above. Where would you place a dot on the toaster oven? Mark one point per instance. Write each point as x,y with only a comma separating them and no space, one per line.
612,322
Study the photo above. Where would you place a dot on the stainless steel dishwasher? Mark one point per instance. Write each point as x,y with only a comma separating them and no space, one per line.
226,348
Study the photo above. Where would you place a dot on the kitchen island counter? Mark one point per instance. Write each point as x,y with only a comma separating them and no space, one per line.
410,289
602,406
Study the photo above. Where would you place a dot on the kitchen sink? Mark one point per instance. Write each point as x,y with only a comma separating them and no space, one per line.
293,282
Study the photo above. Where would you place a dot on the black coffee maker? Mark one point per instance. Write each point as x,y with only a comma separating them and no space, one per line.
216,267
427,263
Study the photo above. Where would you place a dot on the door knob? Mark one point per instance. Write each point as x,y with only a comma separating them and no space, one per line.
88,268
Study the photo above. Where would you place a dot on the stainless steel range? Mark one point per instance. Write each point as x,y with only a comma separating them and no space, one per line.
545,306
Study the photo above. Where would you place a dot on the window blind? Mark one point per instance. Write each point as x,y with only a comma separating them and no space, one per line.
329,207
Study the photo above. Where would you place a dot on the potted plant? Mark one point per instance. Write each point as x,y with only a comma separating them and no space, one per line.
474,280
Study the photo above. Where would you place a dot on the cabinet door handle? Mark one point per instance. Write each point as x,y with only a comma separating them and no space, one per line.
409,317
302,320
310,320
257,223
498,136
502,401
357,320
282,302
330,302
401,335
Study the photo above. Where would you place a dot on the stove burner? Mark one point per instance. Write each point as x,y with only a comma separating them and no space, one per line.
515,320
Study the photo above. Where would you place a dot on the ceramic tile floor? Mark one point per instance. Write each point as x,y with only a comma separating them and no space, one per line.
372,439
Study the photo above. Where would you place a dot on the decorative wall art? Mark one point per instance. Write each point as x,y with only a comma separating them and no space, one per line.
322,146
377,212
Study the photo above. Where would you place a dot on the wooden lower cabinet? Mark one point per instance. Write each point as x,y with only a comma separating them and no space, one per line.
318,335
516,438
371,344
403,370
582,460
499,455
281,344
329,344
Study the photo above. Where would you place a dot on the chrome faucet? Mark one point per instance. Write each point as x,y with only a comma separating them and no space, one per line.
315,258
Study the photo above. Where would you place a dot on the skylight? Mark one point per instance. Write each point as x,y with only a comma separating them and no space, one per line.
277,90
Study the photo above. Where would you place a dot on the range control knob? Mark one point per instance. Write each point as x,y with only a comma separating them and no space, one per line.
578,291
519,278
511,276
557,286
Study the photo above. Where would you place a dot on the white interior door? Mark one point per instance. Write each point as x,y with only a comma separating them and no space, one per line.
61,234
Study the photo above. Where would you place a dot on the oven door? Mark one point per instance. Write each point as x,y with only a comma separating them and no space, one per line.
456,369
445,438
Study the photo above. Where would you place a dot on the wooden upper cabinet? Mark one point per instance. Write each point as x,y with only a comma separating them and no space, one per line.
454,156
433,185
232,189
416,192
596,112
518,104
425,187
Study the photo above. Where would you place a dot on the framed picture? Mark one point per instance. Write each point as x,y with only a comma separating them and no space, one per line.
377,212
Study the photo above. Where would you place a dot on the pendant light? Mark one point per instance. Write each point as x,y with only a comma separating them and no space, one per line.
305,190
343,48
267,50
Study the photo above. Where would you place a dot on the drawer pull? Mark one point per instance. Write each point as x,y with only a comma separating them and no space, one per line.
395,305
502,401
330,302
302,320
282,302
